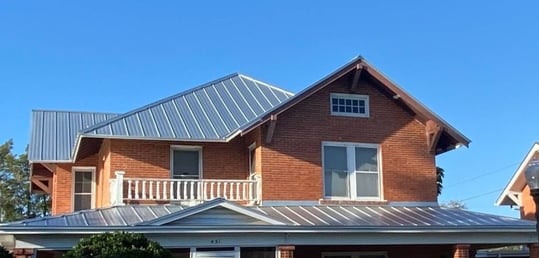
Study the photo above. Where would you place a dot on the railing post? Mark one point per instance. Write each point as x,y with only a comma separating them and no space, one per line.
117,195
258,197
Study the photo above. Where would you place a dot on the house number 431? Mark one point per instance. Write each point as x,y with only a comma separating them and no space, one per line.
215,241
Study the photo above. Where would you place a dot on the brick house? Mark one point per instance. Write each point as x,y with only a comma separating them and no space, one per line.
516,193
239,168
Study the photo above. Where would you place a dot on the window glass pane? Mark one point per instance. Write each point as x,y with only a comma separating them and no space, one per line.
367,184
334,101
185,164
366,159
335,158
335,183
83,202
83,181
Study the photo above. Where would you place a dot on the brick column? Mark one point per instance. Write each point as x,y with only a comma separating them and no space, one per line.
287,251
461,251
534,250
22,252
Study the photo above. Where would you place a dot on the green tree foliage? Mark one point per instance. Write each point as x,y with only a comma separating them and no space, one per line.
4,253
117,244
439,179
16,200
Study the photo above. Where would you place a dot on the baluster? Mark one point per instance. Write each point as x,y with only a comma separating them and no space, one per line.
237,190
204,193
129,196
143,190
151,190
251,190
224,190
164,190
184,187
218,189
158,190
244,191
178,190
191,190
211,190
171,190
136,190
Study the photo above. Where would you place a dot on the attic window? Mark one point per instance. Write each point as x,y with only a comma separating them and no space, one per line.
349,105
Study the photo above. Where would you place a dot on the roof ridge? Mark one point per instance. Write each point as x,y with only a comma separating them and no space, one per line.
74,111
136,110
266,84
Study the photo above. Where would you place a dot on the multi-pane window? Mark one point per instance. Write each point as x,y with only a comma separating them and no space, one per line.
349,105
83,188
351,171
186,164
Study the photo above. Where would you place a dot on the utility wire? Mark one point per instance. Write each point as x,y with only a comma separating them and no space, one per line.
481,194
481,175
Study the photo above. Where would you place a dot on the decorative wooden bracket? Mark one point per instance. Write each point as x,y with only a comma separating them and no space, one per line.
357,75
49,167
433,131
41,185
271,128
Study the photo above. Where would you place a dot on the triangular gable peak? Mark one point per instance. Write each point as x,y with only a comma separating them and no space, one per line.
511,194
212,112
442,136
215,212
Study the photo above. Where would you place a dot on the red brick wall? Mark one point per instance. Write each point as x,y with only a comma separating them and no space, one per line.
152,158
62,185
527,211
291,164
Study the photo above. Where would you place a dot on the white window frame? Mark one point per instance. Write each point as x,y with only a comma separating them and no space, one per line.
364,98
352,254
252,171
82,169
350,153
187,148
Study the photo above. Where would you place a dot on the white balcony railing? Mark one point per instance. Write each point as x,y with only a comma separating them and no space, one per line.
182,190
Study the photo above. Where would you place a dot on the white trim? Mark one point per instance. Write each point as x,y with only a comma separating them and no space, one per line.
364,98
352,254
83,169
518,181
251,148
188,148
351,178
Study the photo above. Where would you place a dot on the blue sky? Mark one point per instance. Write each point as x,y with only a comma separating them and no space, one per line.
472,62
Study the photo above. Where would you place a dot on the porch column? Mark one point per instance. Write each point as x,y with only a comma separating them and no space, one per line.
461,251
286,251
22,252
534,250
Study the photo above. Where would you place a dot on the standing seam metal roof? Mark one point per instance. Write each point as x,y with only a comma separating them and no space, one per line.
214,111
367,217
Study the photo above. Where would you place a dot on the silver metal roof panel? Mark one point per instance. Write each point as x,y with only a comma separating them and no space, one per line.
53,133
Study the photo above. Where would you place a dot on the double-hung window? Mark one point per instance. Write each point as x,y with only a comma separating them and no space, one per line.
83,188
351,171
186,164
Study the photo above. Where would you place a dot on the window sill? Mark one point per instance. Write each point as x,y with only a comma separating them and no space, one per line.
351,202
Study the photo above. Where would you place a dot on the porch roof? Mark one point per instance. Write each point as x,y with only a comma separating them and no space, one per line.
223,215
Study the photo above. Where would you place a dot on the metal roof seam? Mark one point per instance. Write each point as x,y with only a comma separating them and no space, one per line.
195,120
326,214
154,123
314,216
182,121
297,214
252,95
234,101
167,119
215,109
265,84
226,107
212,126
284,216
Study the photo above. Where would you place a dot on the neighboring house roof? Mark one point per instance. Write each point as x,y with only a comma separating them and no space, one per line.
214,111
511,193
221,214
53,133
361,66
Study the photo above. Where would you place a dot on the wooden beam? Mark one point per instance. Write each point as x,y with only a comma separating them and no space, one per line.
271,128
42,185
49,167
357,75
433,131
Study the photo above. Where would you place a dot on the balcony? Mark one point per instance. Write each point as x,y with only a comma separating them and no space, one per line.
183,191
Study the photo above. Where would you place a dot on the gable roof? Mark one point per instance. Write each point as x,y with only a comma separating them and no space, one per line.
511,192
53,133
214,111
454,138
